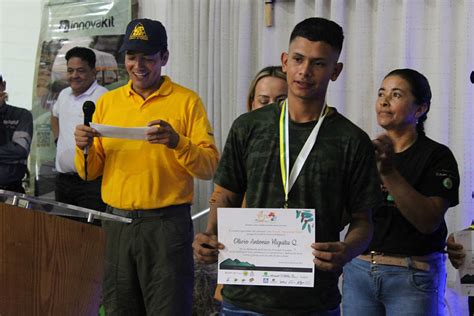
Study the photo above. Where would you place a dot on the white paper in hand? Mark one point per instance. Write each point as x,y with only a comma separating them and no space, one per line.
137,133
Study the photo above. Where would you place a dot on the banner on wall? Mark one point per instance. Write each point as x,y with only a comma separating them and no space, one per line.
97,24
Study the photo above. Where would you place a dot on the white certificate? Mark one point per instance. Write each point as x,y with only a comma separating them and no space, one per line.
466,270
269,247
137,133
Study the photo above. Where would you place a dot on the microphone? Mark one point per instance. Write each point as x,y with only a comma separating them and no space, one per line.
88,108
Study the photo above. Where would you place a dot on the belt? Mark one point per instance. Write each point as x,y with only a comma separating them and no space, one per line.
69,175
169,211
10,186
75,176
417,262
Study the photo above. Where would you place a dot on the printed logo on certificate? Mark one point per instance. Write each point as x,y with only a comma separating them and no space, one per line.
270,247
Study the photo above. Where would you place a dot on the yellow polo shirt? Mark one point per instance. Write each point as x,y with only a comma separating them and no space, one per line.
140,175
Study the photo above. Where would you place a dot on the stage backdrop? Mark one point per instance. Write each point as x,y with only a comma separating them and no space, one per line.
97,24
216,47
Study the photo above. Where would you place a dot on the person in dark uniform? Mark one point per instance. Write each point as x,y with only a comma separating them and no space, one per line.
403,271
16,129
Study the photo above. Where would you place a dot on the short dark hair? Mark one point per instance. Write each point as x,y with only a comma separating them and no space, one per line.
83,53
320,30
419,88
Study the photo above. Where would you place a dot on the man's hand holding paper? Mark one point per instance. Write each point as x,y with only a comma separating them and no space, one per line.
161,132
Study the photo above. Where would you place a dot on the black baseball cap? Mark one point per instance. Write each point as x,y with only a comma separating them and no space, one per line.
145,36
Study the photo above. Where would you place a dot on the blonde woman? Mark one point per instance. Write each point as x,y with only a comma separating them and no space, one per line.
268,86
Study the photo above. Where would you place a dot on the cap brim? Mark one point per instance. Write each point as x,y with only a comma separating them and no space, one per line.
139,47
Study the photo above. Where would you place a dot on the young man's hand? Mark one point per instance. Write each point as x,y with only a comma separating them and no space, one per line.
206,248
331,256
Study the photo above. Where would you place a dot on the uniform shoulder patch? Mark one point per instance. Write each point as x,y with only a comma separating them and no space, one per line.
447,183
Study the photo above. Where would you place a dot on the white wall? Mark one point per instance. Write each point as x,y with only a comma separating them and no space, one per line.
20,22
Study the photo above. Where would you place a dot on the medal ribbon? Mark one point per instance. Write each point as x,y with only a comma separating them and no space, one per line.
289,178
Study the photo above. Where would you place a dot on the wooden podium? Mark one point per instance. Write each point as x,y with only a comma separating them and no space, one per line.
49,265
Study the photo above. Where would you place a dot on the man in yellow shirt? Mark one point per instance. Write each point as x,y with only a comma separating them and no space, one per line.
149,263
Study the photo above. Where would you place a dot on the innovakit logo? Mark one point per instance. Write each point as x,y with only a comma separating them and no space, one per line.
104,22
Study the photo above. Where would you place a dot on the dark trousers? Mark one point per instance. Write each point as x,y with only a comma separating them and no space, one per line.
149,267
14,187
471,305
71,189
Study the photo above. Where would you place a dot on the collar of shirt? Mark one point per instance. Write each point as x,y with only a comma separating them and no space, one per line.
165,88
3,108
86,93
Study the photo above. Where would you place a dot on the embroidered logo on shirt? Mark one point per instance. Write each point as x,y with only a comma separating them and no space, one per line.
11,124
138,33
449,178
448,183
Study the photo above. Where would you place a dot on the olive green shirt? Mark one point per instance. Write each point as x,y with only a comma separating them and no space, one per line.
339,174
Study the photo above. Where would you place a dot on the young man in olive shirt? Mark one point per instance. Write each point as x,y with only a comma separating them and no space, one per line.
338,175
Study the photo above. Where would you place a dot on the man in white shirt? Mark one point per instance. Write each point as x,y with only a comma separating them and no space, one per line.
66,115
